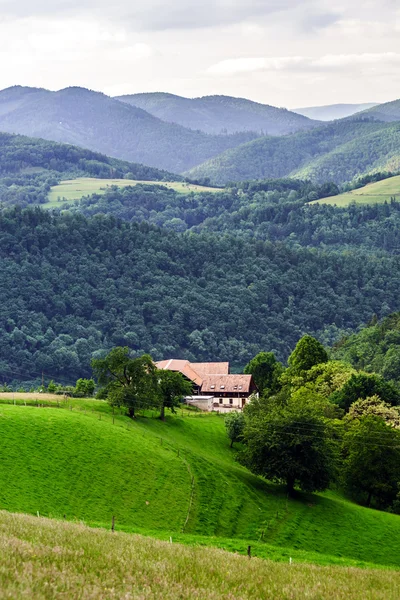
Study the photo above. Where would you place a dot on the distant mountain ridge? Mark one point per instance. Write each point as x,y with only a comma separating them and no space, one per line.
332,112
95,121
216,114
387,112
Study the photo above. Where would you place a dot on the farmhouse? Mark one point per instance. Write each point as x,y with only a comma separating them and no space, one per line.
214,388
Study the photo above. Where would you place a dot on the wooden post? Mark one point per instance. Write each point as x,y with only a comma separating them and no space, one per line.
113,524
249,551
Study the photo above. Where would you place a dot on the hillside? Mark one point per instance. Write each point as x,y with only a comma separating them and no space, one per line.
332,112
93,120
43,558
374,348
72,286
29,167
216,114
387,112
60,462
379,192
335,152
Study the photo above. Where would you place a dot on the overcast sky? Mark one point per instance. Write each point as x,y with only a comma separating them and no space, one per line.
283,52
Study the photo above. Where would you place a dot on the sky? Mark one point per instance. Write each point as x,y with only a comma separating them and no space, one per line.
282,52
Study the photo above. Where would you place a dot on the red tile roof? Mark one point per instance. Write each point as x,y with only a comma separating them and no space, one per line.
182,366
211,368
227,383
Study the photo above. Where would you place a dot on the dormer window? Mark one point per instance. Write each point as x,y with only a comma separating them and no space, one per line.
212,387
240,387
222,387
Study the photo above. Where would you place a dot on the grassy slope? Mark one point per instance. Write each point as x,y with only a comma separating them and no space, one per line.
49,560
68,462
75,189
373,193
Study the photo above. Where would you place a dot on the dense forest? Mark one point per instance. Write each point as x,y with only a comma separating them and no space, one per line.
276,210
73,286
338,152
375,348
30,166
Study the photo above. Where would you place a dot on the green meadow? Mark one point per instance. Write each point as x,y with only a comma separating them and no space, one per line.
75,189
373,193
179,480
49,559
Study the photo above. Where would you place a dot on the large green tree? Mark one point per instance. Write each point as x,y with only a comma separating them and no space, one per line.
293,444
171,387
371,465
266,371
308,352
126,381
365,385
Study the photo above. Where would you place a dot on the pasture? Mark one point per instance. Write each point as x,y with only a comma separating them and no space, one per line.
75,189
176,479
373,193
51,559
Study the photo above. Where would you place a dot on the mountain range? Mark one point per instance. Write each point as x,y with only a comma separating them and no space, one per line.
220,114
214,138
100,123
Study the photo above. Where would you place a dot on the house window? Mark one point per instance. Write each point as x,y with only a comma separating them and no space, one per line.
220,400
230,401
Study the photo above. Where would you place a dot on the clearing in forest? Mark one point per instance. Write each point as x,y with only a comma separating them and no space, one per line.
373,193
75,189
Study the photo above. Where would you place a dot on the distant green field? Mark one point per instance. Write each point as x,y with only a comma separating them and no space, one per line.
373,193
176,479
74,189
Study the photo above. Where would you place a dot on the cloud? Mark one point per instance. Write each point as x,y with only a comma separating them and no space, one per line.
329,62
158,15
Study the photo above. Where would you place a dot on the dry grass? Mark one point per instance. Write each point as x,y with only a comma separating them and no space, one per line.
44,559
27,396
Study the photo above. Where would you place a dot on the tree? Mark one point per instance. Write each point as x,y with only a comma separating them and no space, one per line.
371,465
129,382
266,371
85,387
308,352
365,385
375,406
172,387
292,444
234,423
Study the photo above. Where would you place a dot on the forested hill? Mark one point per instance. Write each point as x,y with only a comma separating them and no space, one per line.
93,120
336,152
276,210
30,166
72,286
215,114
389,112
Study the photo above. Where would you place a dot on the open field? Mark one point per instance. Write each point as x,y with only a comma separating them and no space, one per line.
48,560
177,479
75,189
373,193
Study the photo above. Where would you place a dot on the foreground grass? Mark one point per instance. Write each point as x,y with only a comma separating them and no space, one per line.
373,193
75,189
45,559
177,479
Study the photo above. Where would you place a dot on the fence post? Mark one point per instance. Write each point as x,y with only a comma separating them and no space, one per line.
249,551
113,524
